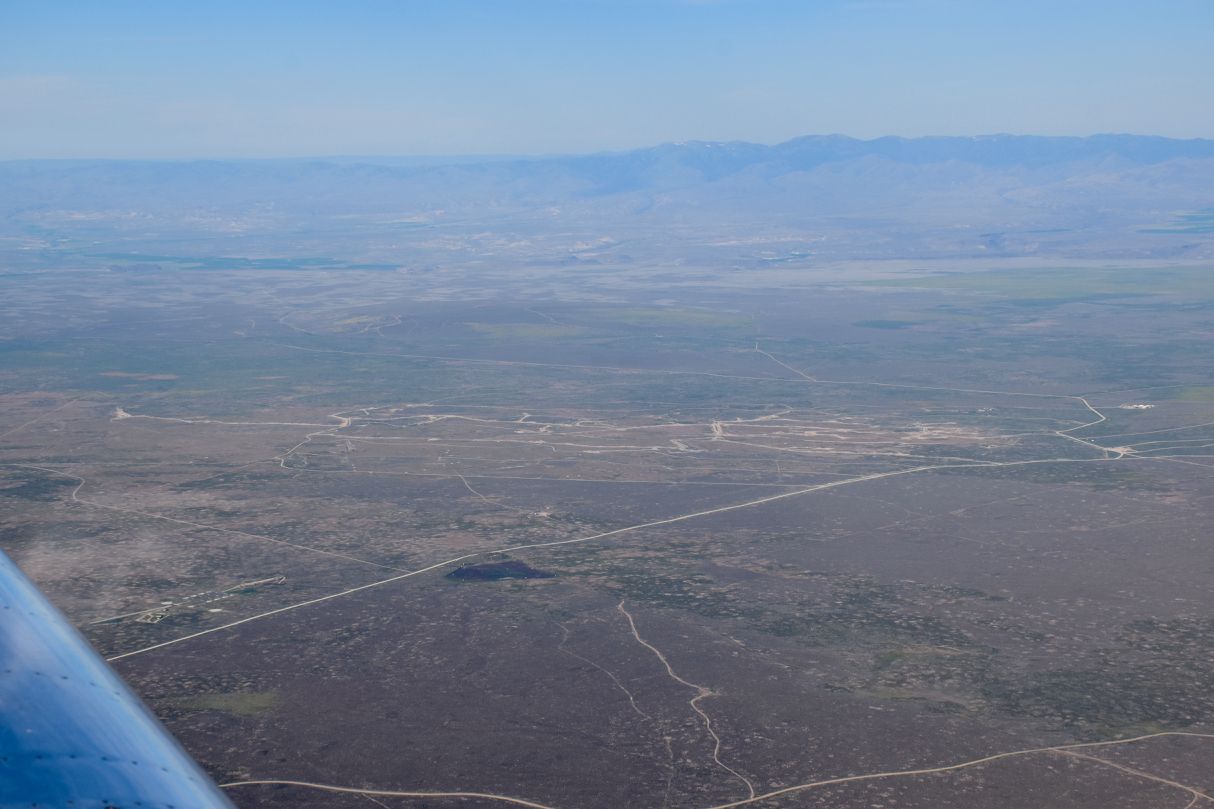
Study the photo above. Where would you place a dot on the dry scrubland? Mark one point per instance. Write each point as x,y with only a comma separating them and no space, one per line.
559,513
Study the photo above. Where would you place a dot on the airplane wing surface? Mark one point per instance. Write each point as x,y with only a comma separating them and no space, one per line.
72,734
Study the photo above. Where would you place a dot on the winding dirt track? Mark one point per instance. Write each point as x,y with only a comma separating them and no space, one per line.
1065,749
702,692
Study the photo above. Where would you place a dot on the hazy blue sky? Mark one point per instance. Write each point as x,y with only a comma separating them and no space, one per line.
115,78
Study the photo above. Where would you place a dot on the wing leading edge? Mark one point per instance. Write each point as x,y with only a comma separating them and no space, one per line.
71,733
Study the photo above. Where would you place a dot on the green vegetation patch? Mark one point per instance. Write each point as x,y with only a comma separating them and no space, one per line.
528,331
139,262
1192,222
42,488
886,324
1069,283
670,316
241,703
1194,394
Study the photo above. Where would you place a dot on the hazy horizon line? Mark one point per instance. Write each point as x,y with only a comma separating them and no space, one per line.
477,157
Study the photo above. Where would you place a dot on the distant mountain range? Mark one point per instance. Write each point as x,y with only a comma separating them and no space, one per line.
1113,183
660,168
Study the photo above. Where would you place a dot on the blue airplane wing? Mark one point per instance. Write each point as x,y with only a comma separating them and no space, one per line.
72,735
